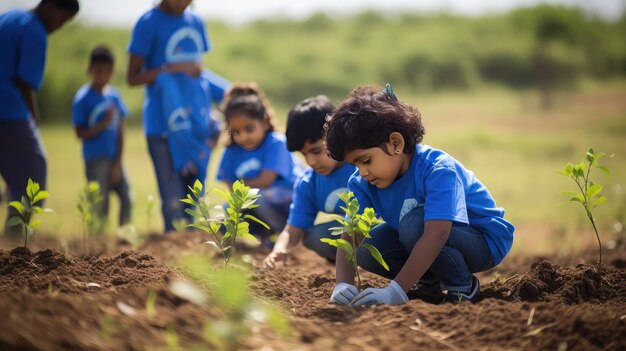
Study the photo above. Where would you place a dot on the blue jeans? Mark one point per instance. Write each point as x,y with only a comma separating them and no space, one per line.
172,186
21,157
465,252
98,170
312,241
273,210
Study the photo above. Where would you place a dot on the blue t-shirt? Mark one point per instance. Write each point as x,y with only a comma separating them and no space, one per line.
161,39
90,107
239,163
313,193
185,105
23,42
447,190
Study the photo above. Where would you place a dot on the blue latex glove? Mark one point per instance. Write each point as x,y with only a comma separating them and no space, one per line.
344,293
393,294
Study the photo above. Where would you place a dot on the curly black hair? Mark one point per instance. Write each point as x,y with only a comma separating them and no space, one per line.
366,118
305,121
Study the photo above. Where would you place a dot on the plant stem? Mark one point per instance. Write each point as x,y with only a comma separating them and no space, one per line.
356,264
593,223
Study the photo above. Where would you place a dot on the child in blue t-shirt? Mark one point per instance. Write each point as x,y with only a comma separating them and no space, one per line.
317,189
258,155
97,116
169,38
442,224
23,43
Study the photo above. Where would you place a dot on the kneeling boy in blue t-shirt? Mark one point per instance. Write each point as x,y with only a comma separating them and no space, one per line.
97,114
317,189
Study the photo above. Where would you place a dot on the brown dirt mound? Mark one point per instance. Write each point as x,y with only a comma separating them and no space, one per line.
570,285
50,270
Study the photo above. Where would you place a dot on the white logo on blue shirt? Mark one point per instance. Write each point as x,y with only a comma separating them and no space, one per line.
407,206
179,120
100,108
175,53
252,164
332,199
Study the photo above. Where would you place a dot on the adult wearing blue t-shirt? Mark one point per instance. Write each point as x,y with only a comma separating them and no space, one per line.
185,103
23,39
317,189
168,38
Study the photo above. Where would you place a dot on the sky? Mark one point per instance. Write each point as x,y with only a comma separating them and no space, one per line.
124,13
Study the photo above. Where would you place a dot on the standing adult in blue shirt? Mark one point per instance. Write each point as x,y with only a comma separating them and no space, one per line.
24,40
97,115
442,224
168,38
317,189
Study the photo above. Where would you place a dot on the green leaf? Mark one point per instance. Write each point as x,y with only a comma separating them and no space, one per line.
598,201
13,221
340,244
578,197
250,237
214,244
40,196
188,201
35,223
215,226
200,226
252,218
376,254
604,170
222,194
193,213
18,206
339,219
593,190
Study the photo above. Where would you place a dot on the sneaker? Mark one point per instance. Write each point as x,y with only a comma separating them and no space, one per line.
429,291
457,296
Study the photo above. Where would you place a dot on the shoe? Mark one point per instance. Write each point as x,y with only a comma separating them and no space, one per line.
457,296
429,291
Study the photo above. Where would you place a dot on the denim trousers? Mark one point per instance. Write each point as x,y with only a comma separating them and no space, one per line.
172,185
98,170
312,238
465,252
21,157
273,210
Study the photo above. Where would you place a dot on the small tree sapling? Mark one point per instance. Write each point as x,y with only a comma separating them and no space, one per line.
357,228
27,208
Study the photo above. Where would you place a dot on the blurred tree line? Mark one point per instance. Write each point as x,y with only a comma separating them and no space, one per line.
543,47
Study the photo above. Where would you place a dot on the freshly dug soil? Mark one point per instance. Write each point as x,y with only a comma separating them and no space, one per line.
53,298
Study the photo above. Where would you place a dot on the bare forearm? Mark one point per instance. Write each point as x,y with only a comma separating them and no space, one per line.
343,269
30,97
424,252
288,239
264,180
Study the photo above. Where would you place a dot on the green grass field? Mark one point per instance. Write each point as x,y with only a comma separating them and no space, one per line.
512,145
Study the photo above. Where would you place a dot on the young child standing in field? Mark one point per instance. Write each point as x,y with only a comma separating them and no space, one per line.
258,155
23,43
168,38
442,224
317,189
97,115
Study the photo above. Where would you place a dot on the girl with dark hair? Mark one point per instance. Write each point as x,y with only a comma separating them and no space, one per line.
441,223
258,155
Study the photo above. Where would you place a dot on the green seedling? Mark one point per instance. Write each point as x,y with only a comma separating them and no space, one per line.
27,208
232,220
89,201
355,228
589,195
